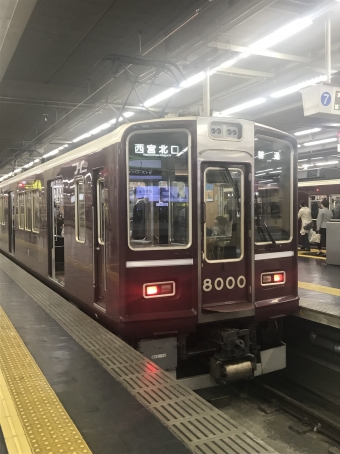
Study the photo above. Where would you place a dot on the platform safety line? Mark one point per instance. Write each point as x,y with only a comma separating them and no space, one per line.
302,254
12,429
319,288
46,425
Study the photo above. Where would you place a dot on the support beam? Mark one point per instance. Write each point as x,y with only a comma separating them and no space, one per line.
261,52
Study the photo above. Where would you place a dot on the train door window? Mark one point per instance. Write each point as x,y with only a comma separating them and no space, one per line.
5,209
224,214
35,211
159,189
273,190
334,205
101,204
21,211
314,203
28,210
80,220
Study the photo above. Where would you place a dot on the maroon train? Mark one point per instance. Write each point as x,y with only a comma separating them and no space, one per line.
178,234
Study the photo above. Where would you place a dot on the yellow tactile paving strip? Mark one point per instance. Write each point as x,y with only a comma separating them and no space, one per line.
319,288
46,425
305,254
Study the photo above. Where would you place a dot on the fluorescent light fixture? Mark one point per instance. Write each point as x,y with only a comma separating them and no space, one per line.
320,157
232,61
161,96
300,160
192,80
36,160
282,34
83,136
51,153
327,163
297,87
26,166
276,171
17,170
128,114
319,142
246,105
299,146
307,131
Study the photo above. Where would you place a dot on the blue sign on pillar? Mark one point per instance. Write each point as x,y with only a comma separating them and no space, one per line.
326,98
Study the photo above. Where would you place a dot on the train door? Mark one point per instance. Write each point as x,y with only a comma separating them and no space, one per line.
226,263
99,210
11,229
55,209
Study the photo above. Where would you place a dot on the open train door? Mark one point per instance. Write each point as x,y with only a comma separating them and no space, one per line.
226,264
99,214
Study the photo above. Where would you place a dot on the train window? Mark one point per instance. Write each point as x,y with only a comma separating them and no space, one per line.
102,210
159,191
36,211
224,214
5,209
28,210
80,210
273,190
334,205
21,211
2,217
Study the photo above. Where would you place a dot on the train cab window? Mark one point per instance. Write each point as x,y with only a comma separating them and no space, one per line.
35,211
21,210
159,190
28,211
273,190
224,210
80,210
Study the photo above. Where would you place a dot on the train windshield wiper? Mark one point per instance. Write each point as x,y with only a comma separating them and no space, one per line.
263,228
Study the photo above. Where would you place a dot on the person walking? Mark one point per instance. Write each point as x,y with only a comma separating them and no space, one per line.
324,216
305,215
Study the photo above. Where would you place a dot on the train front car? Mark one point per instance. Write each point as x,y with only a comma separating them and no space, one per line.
210,258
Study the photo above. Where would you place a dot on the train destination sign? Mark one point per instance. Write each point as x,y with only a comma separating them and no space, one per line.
151,149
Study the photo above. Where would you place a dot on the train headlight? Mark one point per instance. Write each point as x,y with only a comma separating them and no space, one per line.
273,278
159,289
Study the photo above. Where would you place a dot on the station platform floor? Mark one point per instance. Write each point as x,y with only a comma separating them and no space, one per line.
319,290
67,385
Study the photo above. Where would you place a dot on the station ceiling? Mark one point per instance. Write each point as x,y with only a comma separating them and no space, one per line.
66,67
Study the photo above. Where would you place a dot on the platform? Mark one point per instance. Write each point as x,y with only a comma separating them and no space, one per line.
109,397
319,290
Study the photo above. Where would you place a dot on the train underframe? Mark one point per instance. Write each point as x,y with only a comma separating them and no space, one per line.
228,353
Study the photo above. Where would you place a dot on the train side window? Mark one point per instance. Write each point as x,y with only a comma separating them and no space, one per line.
101,204
35,211
21,211
2,217
28,210
80,220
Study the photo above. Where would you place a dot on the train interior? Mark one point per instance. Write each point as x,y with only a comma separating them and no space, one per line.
56,231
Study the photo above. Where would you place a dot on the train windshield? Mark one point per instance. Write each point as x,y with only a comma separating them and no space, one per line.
273,190
159,189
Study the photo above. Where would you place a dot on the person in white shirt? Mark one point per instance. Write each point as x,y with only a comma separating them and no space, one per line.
306,217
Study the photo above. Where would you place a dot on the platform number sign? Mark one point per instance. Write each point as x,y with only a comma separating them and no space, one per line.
326,98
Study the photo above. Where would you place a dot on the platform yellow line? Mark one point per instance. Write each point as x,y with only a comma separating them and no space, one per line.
45,423
304,254
319,288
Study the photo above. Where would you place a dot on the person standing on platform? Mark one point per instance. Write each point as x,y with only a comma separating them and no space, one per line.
305,215
324,216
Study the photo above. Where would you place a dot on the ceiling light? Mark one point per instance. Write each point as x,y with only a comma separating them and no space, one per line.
51,153
246,105
327,163
307,131
300,160
320,157
17,170
281,34
36,160
318,142
297,87
161,96
83,136
128,114
191,81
